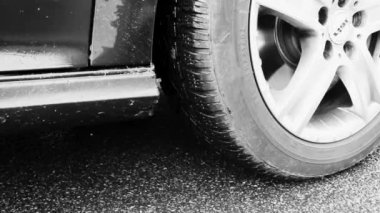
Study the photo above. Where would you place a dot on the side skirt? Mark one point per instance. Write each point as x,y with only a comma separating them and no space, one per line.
76,98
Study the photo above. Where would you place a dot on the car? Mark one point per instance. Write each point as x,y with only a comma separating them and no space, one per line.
287,86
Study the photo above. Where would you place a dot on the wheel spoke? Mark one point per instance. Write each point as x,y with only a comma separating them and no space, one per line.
373,69
300,99
358,87
367,4
371,17
364,62
302,14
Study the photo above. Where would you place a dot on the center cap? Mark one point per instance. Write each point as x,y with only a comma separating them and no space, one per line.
339,27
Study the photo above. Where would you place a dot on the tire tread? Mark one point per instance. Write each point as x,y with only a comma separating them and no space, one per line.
193,77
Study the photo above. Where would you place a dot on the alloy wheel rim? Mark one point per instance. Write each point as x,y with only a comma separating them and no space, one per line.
332,90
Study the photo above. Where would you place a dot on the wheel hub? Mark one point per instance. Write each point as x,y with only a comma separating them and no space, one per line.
287,42
340,27
318,73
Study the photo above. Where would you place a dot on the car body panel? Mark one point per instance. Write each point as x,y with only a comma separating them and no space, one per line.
76,98
74,62
40,34
46,34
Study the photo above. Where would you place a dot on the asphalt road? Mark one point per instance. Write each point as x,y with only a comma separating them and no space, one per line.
156,165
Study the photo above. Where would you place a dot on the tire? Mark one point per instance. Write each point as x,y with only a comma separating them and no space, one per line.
212,68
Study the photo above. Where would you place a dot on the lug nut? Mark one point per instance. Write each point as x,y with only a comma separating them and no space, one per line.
357,19
327,53
342,3
323,15
348,48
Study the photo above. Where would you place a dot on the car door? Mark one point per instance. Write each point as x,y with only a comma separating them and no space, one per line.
44,34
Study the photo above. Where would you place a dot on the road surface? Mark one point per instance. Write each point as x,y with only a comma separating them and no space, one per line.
156,165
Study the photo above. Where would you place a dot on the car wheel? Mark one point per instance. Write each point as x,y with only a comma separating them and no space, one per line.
289,86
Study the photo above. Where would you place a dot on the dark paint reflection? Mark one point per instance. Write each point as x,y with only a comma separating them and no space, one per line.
38,34
133,27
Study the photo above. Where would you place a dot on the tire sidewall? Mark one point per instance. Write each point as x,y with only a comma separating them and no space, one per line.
258,132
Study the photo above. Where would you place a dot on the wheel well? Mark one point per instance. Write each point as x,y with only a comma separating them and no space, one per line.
161,52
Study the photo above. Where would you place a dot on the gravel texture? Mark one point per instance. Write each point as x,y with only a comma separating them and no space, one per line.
156,165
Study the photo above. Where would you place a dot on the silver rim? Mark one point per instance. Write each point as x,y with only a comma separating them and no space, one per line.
317,64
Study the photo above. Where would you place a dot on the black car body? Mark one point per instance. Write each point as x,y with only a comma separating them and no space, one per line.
75,61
